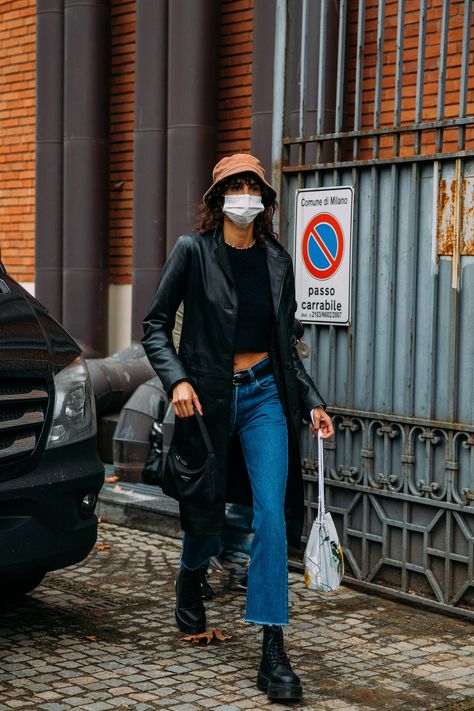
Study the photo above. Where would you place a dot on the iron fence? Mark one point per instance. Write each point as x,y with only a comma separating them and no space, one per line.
369,103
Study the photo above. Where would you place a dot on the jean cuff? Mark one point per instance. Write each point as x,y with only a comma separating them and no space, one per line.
204,564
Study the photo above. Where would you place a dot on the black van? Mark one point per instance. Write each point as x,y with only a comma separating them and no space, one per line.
50,473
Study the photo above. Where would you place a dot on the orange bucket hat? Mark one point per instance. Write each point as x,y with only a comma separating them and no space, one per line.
238,163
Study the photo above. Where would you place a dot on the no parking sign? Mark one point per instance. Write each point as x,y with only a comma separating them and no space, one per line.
323,246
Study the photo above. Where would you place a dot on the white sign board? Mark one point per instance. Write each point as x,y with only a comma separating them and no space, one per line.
323,246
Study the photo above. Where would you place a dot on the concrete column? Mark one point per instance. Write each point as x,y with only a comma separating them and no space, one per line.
86,170
49,154
262,82
192,109
150,165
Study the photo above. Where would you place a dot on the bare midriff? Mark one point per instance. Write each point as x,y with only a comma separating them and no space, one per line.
243,361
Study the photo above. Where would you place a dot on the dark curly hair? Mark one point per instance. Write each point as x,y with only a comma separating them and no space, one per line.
209,212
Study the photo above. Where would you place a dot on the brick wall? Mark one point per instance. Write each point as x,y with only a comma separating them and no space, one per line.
411,51
17,123
17,136
121,141
235,77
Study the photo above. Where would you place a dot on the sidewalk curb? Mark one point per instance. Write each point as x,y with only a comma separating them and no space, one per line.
139,506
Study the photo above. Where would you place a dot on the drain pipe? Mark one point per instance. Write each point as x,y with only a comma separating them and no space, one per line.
49,154
116,377
192,109
86,170
262,82
149,176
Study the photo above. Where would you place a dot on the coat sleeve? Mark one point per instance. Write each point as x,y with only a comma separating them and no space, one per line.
308,393
160,320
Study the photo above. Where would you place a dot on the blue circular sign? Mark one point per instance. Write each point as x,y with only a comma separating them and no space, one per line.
323,246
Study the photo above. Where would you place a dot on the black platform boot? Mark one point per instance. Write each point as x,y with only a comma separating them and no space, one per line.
190,612
275,675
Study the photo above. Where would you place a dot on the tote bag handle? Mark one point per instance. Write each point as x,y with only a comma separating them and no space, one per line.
321,502
204,434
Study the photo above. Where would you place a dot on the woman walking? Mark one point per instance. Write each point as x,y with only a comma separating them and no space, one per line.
237,365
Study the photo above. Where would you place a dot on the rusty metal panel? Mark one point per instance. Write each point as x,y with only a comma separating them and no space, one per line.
400,379
467,234
446,211
447,236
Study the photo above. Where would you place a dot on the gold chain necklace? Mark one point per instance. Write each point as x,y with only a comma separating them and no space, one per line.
235,247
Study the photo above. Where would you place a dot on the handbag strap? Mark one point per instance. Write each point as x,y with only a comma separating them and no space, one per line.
321,502
204,433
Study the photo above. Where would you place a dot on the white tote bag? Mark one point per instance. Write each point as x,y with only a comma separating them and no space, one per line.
323,559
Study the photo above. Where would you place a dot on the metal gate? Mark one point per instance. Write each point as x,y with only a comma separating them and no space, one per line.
369,103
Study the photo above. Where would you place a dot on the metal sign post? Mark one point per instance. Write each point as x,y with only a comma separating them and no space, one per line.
323,247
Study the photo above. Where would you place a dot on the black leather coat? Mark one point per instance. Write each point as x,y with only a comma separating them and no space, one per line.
198,272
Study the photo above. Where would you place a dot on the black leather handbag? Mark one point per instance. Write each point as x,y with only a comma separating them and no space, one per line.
186,479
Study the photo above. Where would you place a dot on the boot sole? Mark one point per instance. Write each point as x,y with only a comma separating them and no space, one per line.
189,629
290,692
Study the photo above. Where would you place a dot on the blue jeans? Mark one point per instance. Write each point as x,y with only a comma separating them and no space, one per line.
257,417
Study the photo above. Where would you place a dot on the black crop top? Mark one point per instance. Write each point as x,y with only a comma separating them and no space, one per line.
255,313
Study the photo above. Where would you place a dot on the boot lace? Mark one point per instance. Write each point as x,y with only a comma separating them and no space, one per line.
276,651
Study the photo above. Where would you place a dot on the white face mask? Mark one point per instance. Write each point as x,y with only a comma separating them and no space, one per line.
242,209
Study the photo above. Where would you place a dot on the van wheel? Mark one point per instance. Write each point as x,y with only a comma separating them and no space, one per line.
16,586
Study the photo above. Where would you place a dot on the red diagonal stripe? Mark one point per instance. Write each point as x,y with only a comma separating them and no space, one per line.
323,248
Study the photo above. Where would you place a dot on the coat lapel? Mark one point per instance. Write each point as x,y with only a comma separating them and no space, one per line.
221,255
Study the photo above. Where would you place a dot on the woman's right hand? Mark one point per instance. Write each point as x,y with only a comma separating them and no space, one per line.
185,399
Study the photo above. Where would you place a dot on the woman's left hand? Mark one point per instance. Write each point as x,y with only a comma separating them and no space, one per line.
321,421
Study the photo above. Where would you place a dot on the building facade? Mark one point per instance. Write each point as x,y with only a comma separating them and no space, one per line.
112,116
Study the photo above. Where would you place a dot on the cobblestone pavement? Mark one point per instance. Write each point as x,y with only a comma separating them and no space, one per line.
101,635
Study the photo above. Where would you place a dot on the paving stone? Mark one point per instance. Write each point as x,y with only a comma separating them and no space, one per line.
49,695
165,693
354,652
143,697
250,692
189,687
209,692
75,701
121,702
